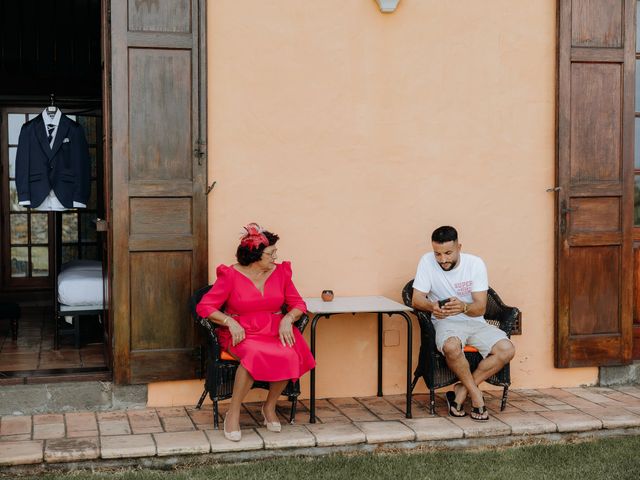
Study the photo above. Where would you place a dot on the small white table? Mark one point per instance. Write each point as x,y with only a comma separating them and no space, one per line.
367,304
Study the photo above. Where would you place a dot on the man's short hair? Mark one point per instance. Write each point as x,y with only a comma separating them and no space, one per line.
444,234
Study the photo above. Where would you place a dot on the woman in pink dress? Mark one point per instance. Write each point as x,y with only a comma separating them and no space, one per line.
252,326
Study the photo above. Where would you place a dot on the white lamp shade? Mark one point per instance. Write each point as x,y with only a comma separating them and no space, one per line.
387,6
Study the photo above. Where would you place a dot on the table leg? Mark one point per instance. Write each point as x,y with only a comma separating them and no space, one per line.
312,393
379,354
409,359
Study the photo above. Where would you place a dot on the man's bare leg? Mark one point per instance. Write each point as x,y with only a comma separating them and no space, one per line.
501,354
457,362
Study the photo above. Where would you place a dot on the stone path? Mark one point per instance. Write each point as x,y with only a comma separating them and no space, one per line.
343,423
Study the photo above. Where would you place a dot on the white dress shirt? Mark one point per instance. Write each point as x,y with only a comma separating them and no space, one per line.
51,203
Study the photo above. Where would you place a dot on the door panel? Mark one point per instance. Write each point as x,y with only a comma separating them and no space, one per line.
595,160
159,174
595,122
597,23
160,138
164,16
594,304
160,281
161,216
595,215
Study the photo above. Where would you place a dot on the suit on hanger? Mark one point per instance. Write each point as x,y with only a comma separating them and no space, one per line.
63,167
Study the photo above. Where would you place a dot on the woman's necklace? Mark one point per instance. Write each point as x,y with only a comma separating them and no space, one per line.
256,274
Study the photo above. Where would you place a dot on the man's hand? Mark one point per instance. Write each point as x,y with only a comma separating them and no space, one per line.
453,307
438,312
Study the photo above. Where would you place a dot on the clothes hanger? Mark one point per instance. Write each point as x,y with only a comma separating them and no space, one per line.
52,109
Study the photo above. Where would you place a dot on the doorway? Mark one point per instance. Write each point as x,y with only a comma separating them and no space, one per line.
52,55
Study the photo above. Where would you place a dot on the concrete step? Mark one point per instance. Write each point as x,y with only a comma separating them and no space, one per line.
70,397
164,437
620,375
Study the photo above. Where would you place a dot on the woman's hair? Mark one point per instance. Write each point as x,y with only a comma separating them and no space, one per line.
247,256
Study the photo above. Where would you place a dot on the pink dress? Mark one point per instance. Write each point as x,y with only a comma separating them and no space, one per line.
261,352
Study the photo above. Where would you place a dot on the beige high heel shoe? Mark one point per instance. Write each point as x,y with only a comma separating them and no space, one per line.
234,436
271,426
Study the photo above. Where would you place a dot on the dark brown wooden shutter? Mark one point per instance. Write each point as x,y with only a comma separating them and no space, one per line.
159,175
595,160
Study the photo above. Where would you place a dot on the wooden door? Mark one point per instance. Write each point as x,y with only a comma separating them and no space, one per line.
595,162
159,173
102,224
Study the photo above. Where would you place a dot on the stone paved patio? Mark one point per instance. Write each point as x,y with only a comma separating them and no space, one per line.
343,423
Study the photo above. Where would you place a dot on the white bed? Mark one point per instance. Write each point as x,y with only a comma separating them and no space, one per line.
80,292
80,286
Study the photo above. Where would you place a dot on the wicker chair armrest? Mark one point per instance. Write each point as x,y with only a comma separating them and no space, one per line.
212,338
407,293
209,328
426,326
508,318
302,322
424,318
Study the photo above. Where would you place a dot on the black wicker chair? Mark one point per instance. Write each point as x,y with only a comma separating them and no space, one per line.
220,374
432,366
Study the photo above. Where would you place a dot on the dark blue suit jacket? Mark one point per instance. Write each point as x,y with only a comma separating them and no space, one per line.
65,168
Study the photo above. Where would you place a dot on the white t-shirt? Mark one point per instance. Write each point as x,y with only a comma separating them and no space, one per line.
469,275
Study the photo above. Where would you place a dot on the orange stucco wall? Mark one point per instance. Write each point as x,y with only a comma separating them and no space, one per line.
353,134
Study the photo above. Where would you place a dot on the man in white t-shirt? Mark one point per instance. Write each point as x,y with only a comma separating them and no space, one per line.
453,287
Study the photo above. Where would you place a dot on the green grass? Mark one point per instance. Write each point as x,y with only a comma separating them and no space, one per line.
614,458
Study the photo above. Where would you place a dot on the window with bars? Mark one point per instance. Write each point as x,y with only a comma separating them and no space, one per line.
29,233
79,239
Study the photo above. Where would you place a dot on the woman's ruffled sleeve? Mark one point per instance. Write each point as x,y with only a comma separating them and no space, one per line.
291,296
218,294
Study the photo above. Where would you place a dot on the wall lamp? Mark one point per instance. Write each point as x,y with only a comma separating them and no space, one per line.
388,6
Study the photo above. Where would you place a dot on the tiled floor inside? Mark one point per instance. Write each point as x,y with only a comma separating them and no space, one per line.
33,350
161,432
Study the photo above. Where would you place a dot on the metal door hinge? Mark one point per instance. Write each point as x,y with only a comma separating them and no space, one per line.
200,151
564,210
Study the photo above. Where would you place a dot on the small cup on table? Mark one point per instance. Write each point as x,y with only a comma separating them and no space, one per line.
327,295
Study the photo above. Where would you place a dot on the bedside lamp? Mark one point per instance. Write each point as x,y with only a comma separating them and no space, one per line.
387,6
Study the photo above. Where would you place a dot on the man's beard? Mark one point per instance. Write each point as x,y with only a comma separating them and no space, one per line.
451,266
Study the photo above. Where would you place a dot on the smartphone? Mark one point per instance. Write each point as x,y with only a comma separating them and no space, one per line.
441,303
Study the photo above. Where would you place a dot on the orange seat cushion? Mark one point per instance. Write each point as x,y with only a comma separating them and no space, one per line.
224,355
470,349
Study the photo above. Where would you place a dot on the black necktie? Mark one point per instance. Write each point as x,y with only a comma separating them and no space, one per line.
50,128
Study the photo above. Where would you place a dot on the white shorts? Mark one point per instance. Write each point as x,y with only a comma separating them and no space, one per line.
477,333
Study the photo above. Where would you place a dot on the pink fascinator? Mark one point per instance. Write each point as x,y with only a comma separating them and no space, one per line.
254,237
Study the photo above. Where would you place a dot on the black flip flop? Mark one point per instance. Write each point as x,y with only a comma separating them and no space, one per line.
479,411
451,403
